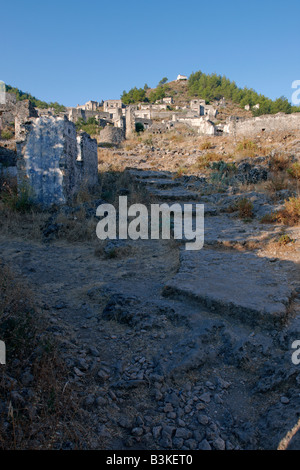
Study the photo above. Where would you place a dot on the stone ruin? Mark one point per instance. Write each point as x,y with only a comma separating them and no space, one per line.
111,135
52,159
266,123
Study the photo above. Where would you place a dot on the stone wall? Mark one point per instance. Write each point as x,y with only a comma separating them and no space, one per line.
52,160
87,157
8,110
23,114
8,113
266,123
110,105
76,113
112,135
130,120
202,124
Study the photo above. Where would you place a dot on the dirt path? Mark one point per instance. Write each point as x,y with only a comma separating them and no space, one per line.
172,349
153,371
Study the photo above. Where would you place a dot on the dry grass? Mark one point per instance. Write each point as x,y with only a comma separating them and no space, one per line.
130,143
180,172
276,183
269,219
47,416
177,138
279,162
206,159
294,171
206,145
77,227
290,214
246,148
19,217
245,208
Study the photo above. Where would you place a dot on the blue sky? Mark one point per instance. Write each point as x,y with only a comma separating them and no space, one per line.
72,51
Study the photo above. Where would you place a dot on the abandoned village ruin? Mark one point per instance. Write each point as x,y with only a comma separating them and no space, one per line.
168,348
56,160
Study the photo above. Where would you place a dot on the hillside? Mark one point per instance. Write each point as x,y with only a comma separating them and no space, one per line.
211,88
21,95
180,92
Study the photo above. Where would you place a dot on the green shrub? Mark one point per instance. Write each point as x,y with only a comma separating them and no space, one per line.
6,135
163,81
245,208
17,197
135,95
91,126
149,141
285,240
294,171
222,172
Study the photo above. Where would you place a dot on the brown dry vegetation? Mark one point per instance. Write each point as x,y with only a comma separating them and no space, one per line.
290,214
47,415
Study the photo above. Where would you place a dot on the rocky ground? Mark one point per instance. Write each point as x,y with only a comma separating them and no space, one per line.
172,349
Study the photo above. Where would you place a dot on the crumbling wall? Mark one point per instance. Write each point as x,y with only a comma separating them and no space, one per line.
52,161
23,114
8,110
130,120
202,124
266,123
111,135
87,160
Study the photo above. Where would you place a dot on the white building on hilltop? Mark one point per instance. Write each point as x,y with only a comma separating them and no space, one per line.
181,77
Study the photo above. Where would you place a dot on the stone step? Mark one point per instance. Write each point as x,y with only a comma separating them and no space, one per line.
239,285
159,182
226,230
173,194
141,174
209,210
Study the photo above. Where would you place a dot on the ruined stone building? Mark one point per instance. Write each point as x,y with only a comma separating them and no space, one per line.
111,135
89,106
265,123
110,105
52,160
200,107
168,100
8,105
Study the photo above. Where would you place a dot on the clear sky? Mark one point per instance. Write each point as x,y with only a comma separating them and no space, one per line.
72,51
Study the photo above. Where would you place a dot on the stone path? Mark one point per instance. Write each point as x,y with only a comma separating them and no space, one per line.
171,349
245,285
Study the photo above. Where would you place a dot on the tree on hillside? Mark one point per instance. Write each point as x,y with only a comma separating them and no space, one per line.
162,81
157,94
21,96
210,87
135,95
